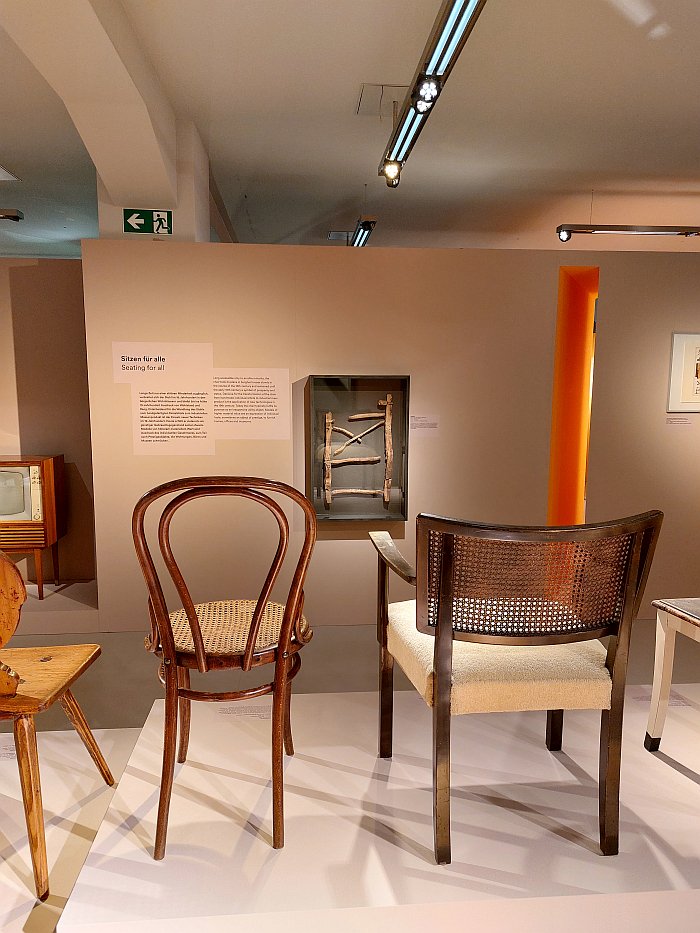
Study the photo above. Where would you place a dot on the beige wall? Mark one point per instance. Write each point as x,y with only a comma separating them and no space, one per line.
44,350
637,459
9,416
475,331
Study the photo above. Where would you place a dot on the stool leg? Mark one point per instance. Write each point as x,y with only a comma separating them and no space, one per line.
79,722
661,689
28,762
39,572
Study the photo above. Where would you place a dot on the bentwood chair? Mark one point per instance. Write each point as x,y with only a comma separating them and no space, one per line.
31,680
508,619
240,634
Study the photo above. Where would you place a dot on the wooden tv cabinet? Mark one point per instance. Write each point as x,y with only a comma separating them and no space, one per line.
48,522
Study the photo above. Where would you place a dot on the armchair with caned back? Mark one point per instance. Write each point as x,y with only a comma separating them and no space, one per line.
509,619
234,634
31,680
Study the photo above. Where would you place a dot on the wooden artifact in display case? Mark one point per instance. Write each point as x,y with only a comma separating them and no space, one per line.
32,508
357,447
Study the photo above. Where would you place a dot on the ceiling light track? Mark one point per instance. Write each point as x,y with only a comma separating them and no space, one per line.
357,237
452,28
566,231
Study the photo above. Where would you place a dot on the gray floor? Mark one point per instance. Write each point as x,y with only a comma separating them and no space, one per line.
119,690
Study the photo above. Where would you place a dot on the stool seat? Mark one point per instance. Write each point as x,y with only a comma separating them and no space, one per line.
686,609
45,674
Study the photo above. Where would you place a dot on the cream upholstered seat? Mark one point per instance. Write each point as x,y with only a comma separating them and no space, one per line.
230,634
502,678
225,626
510,619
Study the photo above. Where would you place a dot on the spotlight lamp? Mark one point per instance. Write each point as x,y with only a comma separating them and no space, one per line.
425,94
363,228
565,231
392,173
450,31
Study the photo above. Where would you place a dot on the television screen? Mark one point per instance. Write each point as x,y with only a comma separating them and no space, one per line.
12,486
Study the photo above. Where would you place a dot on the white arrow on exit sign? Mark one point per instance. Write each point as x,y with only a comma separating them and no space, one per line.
135,221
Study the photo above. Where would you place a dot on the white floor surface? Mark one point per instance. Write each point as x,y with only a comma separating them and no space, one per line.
75,800
359,830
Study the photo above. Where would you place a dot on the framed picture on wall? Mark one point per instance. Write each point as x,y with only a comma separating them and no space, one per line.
684,383
357,447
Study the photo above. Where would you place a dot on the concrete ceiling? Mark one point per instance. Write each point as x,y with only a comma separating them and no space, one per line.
558,110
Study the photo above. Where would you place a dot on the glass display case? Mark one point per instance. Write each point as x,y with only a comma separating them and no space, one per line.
357,447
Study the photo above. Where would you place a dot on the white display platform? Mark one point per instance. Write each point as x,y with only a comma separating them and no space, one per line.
358,829
75,800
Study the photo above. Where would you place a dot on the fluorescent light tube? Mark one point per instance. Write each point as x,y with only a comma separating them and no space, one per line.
565,231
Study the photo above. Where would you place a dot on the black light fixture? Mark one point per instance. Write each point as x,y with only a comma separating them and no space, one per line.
566,231
8,213
451,30
363,228
357,237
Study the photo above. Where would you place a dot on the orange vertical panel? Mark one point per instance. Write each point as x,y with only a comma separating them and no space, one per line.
571,395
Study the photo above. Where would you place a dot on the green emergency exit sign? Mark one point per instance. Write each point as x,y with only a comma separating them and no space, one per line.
153,222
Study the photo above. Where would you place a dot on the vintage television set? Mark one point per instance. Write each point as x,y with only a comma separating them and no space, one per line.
32,508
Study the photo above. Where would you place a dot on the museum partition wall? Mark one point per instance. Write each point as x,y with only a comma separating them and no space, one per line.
239,329
44,390
474,331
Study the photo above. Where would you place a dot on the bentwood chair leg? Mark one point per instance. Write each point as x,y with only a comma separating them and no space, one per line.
441,779
609,779
28,762
555,725
386,703
185,711
169,743
279,704
79,723
288,741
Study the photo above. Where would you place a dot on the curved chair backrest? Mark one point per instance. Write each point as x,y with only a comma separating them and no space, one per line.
513,585
182,491
13,595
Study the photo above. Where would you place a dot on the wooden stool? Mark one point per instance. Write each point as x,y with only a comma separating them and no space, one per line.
31,680
672,615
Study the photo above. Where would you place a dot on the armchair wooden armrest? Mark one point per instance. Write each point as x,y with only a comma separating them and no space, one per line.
392,557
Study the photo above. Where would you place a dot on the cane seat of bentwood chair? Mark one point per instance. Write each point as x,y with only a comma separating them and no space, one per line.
31,680
508,619
233,634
